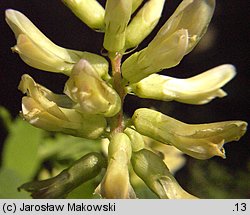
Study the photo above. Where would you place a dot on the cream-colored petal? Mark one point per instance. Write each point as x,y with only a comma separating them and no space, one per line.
201,141
40,57
193,15
199,89
153,59
116,182
90,92
117,16
40,110
40,52
154,172
90,12
144,22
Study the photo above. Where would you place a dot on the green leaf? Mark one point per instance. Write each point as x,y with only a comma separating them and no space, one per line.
21,149
5,117
54,148
9,181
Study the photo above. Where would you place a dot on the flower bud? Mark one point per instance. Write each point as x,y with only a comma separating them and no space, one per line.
117,16
90,12
82,170
41,112
116,184
136,139
154,172
201,141
144,22
152,59
90,92
194,16
199,89
38,51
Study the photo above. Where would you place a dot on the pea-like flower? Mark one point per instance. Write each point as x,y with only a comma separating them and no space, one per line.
38,51
90,12
41,111
144,22
117,16
199,89
201,141
175,39
91,94
154,172
116,183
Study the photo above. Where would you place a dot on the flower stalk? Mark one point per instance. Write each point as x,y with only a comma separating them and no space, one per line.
117,121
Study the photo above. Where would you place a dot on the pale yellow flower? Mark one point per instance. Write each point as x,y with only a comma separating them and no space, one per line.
116,182
117,16
90,12
199,89
201,141
39,109
91,94
154,172
38,51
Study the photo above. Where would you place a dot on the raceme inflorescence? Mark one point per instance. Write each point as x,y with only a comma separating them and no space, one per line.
91,105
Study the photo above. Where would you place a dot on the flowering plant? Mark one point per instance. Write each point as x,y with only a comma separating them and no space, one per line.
92,104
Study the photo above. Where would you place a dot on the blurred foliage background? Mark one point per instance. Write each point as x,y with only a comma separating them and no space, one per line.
28,153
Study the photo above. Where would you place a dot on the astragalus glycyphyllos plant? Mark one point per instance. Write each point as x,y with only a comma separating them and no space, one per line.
92,104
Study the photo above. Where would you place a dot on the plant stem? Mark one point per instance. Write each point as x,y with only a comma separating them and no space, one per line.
117,120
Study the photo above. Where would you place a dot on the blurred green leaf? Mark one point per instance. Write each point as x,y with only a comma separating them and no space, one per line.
5,117
21,149
66,147
9,181
84,191
210,179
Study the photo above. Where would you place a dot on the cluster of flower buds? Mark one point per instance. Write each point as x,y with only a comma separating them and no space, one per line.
91,106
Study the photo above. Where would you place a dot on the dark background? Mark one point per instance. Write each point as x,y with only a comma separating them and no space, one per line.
227,41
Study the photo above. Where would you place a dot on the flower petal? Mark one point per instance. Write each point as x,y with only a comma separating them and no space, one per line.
193,15
38,51
153,59
115,183
144,22
199,89
117,16
90,92
41,112
90,12
154,172
201,141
